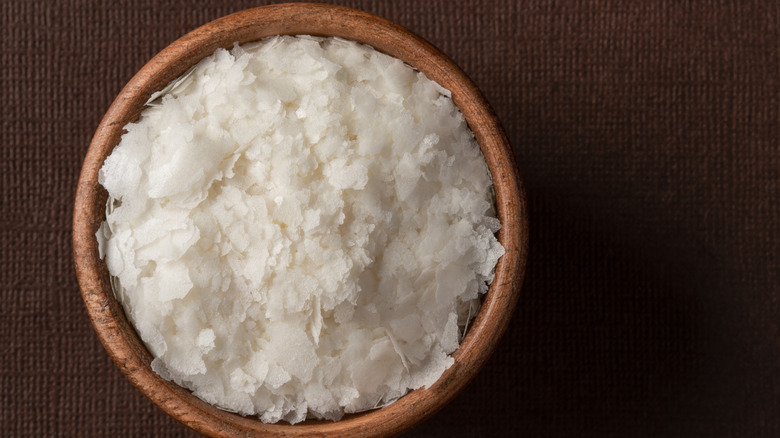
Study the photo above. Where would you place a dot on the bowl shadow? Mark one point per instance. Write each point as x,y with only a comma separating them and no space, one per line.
616,332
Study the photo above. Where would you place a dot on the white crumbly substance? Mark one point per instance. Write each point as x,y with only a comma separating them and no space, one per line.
300,226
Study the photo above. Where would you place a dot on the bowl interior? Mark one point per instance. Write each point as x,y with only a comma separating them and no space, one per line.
108,318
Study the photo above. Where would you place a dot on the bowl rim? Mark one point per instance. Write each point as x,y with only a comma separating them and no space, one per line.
107,316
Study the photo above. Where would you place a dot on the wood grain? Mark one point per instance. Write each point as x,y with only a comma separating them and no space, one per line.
121,340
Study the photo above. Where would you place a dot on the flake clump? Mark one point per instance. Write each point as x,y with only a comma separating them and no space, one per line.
300,227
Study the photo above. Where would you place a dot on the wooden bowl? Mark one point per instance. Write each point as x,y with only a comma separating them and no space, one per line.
119,337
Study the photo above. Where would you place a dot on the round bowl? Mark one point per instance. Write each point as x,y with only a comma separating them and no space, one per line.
108,318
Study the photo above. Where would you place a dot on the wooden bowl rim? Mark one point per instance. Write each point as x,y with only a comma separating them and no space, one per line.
118,335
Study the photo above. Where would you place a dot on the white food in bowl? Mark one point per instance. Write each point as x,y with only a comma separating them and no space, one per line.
301,226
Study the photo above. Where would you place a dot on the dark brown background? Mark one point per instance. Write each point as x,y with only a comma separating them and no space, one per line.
648,136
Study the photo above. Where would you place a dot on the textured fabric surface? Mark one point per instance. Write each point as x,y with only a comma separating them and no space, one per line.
648,134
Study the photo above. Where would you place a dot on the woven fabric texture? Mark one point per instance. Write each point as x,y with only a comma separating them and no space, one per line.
648,135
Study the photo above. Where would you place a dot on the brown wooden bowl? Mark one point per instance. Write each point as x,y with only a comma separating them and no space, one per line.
119,337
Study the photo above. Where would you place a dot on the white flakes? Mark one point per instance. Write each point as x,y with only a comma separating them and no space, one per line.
241,381
174,281
102,235
429,372
205,340
159,367
299,227
450,336
346,176
258,367
292,350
